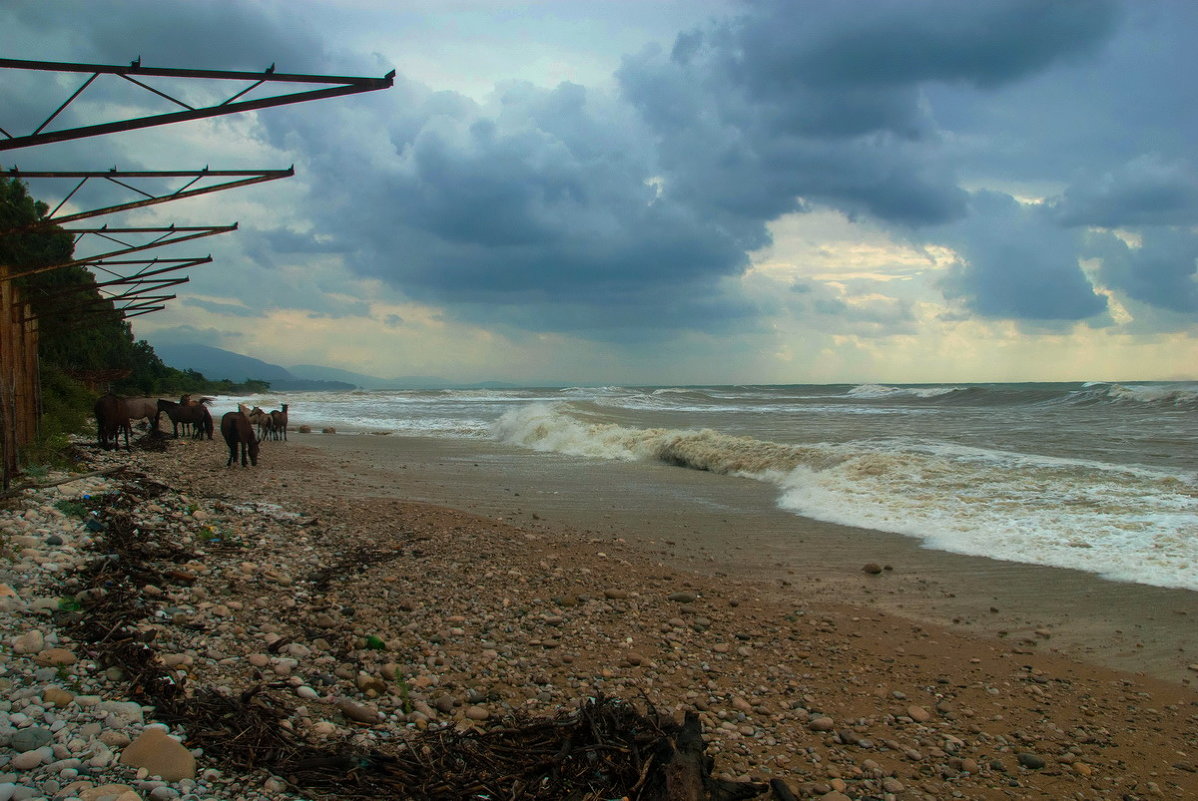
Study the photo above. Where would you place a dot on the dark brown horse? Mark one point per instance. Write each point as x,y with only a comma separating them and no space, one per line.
236,428
111,418
198,416
279,423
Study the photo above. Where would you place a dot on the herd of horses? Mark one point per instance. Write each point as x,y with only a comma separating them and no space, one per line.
242,430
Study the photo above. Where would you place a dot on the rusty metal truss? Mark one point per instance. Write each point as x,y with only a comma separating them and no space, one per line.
170,235
335,86
199,184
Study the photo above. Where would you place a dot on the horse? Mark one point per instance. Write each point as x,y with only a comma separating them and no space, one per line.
187,400
143,408
197,415
263,421
235,427
279,422
111,419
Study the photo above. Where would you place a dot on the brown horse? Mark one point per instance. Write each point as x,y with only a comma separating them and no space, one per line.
263,421
198,416
236,428
279,423
111,418
143,409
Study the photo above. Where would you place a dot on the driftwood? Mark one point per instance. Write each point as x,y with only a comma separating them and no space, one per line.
688,771
36,485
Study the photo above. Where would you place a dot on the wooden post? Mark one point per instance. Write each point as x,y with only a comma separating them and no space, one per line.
8,422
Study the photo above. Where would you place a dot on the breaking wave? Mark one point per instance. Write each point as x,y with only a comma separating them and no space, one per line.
1125,522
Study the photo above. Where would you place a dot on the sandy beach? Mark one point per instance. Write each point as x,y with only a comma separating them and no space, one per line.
721,526
414,579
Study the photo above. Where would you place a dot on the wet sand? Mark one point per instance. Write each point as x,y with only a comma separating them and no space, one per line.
729,527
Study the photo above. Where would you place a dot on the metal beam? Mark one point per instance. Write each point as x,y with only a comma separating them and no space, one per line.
239,178
175,264
336,87
162,241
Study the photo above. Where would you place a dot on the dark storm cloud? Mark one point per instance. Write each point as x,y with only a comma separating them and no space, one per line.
1161,271
1145,192
215,34
561,209
566,209
1018,263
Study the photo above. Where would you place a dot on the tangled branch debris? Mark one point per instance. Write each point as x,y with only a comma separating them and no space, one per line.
604,749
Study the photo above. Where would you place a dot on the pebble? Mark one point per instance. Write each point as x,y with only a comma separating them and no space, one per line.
28,760
358,712
57,696
55,656
160,754
918,714
1031,761
30,642
30,738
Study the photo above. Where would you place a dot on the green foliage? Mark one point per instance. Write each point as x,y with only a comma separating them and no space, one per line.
405,693
28,250
68,604
66,408
71,508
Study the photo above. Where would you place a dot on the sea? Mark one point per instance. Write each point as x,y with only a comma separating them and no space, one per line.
1098,476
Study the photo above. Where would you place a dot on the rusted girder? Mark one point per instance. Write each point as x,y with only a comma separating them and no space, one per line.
102,305
180,234
144,284
336,87
168,265
114,176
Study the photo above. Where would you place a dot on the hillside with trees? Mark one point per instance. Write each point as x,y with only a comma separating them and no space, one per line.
85,344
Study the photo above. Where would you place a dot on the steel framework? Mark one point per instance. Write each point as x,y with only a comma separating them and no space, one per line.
169,235
115,177
336,86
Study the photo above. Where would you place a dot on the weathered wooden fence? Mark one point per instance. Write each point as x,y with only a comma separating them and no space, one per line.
20,389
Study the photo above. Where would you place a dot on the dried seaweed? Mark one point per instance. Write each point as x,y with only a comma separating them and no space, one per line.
603,749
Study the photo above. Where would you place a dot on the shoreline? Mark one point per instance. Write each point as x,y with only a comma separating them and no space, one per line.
728,526
367,613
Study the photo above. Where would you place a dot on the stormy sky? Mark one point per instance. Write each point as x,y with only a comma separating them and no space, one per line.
666,192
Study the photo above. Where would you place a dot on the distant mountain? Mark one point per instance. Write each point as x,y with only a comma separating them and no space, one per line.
218,364
401,382
370,381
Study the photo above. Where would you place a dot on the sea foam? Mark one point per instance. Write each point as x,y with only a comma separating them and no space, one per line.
1124,522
